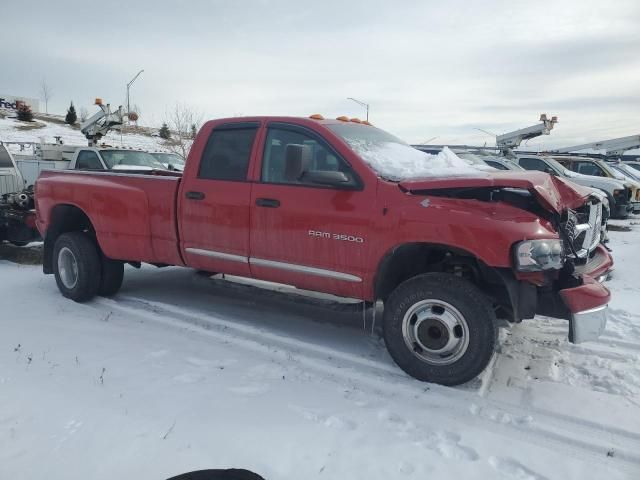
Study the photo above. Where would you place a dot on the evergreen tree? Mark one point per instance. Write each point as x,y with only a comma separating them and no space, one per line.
72,116
24,112
165,132
194,130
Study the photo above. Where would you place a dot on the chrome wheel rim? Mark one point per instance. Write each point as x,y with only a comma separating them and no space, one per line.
67,267
435,332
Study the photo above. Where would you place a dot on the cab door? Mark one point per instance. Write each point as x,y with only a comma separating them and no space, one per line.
214,203
304,231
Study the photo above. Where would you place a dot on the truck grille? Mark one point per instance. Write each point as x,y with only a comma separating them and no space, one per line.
584,228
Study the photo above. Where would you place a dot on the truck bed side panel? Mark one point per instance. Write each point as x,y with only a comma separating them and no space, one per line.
134,215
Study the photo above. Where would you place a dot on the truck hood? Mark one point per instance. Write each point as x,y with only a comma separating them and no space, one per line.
553,193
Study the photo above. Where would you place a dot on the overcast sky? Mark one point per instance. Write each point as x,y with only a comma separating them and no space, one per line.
428,68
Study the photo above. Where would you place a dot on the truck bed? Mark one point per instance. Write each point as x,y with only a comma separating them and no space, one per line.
134,215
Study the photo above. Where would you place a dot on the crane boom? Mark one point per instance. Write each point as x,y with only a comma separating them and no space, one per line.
615,146
508,141
98,125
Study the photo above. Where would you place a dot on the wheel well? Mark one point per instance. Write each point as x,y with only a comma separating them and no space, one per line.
64,218
409,260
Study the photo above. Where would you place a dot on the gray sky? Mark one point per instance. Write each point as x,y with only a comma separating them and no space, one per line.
428,68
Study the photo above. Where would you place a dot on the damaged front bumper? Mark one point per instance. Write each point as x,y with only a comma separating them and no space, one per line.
580,298
588,310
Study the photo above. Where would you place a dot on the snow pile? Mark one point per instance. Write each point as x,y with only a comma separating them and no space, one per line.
396,161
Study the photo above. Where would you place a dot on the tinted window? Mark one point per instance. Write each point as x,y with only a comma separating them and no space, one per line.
227,154
88,160
316,155
5,159
533,164
497,165
588,168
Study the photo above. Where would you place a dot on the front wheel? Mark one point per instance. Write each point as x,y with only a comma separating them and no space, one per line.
440,328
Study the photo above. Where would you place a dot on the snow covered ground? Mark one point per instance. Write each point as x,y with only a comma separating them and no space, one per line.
180,372
12,130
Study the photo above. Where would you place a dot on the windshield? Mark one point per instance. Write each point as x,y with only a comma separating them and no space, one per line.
169,158
393,159
612,172
626,171
558,167
130,157
5,158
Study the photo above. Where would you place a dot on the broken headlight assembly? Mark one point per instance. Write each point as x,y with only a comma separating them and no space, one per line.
537,255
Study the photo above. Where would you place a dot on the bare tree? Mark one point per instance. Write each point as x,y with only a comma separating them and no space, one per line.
84,114
47,92
181,121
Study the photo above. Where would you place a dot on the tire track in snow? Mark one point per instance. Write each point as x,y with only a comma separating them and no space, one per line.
550,429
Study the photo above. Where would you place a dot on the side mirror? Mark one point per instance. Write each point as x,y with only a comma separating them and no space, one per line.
326,177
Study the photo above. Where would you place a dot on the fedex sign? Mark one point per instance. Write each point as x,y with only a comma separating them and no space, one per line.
10,102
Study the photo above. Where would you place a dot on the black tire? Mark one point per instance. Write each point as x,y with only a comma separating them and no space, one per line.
87,259
111,278
468,301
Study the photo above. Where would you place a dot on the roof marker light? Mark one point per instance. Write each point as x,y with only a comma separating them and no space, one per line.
355,120
316,116
343,118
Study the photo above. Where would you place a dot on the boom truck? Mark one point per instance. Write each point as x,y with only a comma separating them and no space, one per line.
342,207
18,173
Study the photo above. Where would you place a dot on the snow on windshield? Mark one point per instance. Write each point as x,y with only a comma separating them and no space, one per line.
394,160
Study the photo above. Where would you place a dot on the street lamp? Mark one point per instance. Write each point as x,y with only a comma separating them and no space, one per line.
362,104
129,86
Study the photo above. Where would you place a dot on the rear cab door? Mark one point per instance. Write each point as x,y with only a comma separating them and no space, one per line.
214,198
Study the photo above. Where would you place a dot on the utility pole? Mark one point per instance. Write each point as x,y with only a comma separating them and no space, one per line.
362,104
129,86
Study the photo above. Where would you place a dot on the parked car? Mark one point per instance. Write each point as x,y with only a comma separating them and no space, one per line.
599,168
618,195
344,208
171,161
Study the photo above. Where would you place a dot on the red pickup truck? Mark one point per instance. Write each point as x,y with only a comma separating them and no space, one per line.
333,206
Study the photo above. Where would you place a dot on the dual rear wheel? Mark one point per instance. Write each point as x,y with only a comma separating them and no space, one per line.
82,271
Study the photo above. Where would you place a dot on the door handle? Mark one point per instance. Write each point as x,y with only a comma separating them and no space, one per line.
195,195
267,202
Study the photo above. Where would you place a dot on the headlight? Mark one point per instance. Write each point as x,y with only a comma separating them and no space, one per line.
536,255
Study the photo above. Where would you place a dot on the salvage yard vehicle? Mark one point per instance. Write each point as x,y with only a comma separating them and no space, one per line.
617,193
599,168
342,207
11,180
17,219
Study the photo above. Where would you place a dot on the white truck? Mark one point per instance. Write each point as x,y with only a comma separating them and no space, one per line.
17,218
11,180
